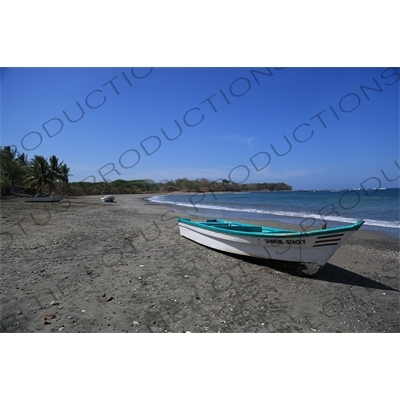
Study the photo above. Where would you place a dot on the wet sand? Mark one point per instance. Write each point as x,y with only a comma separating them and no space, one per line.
86,266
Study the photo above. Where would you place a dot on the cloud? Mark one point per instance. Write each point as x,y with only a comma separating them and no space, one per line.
243,140
287,173
190,173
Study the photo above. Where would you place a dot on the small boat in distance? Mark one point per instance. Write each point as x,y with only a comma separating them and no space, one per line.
310,250
107,197
43,198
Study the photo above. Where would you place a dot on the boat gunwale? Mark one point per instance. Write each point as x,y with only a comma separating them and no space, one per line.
276,233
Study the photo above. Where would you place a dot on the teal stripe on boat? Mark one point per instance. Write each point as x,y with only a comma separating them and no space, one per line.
237,228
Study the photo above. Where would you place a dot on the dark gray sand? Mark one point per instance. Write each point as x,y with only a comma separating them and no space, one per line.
86,266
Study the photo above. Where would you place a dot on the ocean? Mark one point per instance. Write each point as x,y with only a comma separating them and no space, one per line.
379,208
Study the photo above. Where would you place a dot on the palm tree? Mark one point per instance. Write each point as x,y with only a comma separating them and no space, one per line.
39,173
55,171
23,159
64,173
13,167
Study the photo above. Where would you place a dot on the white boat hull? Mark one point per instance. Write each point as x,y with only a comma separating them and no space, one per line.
108,199
310,251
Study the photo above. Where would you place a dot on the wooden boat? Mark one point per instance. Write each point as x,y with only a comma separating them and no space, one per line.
309,249
107,197
44,199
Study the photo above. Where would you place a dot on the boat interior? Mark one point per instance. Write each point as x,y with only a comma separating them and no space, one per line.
242,227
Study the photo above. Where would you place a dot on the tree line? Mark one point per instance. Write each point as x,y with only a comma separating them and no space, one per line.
121,186
41,175
38,174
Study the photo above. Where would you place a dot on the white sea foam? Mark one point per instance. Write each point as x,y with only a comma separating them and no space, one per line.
290,214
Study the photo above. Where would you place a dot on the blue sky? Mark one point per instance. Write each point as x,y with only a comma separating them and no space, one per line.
312,128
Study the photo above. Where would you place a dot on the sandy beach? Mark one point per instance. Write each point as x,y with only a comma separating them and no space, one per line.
85,266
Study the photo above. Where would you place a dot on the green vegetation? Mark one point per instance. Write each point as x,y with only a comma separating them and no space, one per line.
37,175
121,186
40,175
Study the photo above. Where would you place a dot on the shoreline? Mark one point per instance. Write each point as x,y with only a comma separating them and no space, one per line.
86,266
270,219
